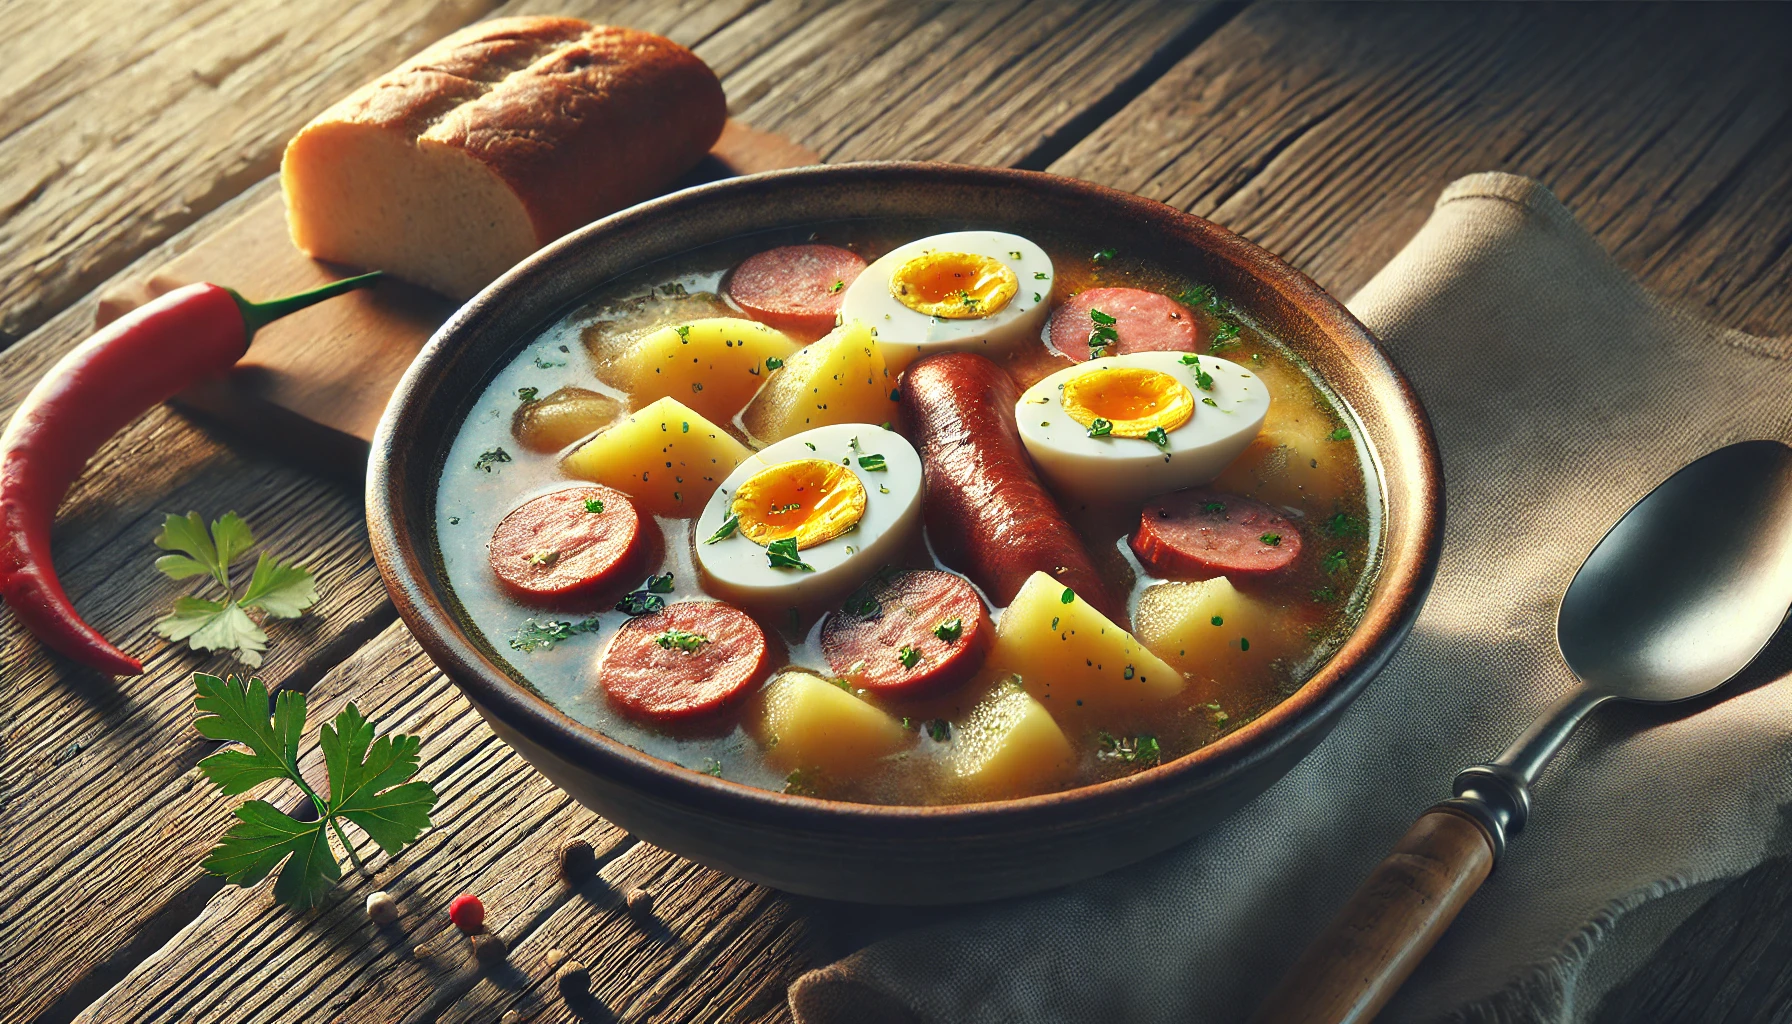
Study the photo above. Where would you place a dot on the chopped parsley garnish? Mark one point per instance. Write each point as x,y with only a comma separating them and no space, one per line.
1066,597
811,446
836,286
1014,254
881,489
1335,563
1195,296
1219,620
726,530
489,458
939,730
1158,436
895,394
1099,427
712,766
872,463
527,394
1141,749
543,558
684,334
802,782
1325,595
1104,255
1103,334
773,362
1345,525
908,656
542,636
1209,401
1219,716
544,364
949,630
682,640
1340,434
1215,507
594,505
1272,539
647,599
781,554
1225,336
1244,644
1038,275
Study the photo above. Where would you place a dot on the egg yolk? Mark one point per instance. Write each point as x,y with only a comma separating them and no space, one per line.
1136,401
954,285
813,500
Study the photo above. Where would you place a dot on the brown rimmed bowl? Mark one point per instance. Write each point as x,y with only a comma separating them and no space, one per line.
863,852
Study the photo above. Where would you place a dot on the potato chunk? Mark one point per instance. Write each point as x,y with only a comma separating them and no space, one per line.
715,366
810,723
1223,639
1009,746
1293,461
1073,660
666,457
840,379
553,421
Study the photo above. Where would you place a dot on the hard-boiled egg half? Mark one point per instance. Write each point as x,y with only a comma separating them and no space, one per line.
969,291
811,517
1136,425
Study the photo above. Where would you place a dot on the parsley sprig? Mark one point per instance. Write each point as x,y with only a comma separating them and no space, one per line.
370,786
276,589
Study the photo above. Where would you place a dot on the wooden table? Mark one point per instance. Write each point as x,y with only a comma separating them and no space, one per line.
128,132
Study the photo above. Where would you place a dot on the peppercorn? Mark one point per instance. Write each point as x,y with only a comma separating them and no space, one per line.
381,907
640,902
489,949
578,861
574,981
467,913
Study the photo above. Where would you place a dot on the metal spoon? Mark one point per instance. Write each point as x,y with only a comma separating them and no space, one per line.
1677,599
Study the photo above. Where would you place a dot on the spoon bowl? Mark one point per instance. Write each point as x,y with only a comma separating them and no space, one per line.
1690,585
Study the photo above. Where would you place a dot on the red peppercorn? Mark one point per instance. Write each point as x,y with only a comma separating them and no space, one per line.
467,913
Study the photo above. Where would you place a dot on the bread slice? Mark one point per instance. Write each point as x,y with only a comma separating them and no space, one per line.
500,138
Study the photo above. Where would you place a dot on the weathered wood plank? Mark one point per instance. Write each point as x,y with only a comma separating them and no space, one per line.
498,829
124,123
1325,133
137,750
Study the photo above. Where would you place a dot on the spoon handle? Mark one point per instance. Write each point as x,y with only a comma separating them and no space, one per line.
1396,916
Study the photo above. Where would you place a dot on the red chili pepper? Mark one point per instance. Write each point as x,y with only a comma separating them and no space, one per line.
138,361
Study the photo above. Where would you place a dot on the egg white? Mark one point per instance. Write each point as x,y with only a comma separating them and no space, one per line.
905,335
737,570
1112,469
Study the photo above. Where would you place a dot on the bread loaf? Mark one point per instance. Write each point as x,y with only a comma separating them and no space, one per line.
493,142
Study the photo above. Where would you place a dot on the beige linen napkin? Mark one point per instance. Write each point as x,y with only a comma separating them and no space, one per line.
1561,393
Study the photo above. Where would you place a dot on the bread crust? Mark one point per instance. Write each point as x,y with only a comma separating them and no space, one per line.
579,120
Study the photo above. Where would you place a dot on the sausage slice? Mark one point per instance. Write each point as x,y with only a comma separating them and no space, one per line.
555,546
1143,322
909,633
688,659
1201,534
795,287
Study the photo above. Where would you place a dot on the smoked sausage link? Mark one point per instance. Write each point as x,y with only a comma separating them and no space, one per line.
987,513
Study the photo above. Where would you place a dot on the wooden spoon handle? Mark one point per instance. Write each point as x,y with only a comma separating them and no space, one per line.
1400,911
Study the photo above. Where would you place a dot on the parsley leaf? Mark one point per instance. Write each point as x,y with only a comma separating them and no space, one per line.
908,656
781,554
1142,749
1099,427
491,457
949,630
371,787
542,636
683,640
726,530
276,589
872,463
1158,436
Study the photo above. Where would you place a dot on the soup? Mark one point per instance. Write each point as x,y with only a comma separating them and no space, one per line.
901,512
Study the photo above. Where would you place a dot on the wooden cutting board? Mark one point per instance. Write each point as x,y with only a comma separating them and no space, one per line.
313,385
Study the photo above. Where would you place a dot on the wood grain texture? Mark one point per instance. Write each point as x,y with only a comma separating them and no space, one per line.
498,830
136,747
1325,132
124,123
1386,927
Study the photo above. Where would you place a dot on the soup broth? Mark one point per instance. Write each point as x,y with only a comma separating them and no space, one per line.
1269,632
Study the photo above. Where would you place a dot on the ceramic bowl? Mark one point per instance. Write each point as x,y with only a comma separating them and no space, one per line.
864,852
